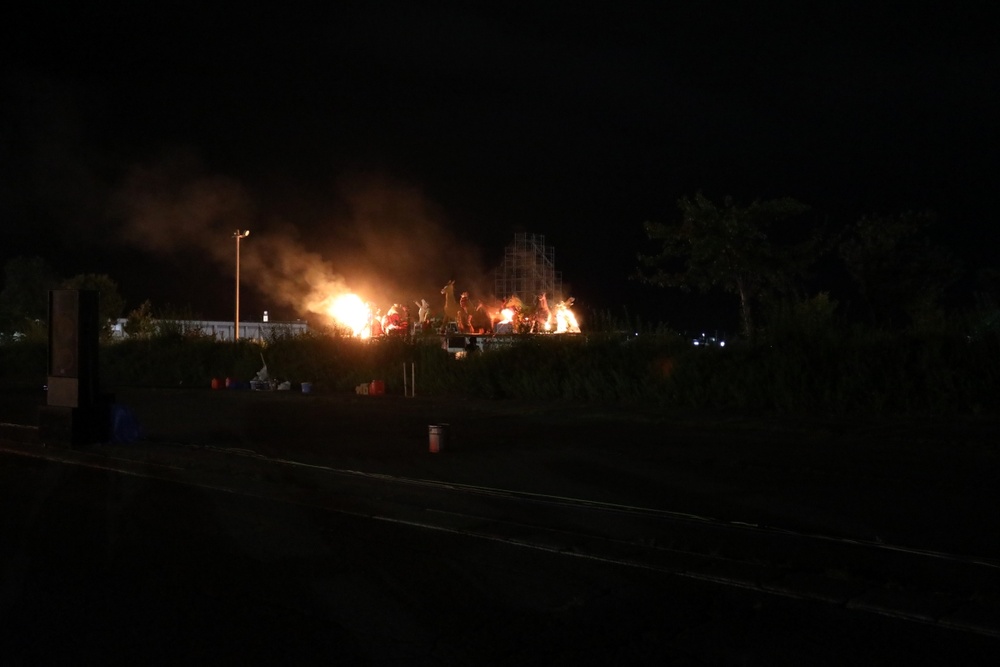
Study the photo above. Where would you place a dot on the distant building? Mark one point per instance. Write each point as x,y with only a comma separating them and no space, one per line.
224,330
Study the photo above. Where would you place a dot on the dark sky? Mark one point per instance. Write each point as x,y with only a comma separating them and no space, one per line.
389,147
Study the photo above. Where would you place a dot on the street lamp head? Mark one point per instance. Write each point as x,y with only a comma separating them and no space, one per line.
241,235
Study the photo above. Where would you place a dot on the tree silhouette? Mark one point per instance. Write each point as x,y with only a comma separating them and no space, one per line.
110,301
729,247
900,273
25,295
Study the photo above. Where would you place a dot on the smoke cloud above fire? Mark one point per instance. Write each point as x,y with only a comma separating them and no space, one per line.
373,236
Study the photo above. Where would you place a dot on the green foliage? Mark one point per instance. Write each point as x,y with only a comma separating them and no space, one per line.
807,319
140,323
28,330
24,300
732,248
901,274
983,319
25,361
170,361
603,321
807,366
110,301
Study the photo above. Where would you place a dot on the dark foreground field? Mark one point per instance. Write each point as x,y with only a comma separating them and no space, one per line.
539,534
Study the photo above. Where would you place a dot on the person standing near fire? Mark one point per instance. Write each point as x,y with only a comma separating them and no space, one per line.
463,316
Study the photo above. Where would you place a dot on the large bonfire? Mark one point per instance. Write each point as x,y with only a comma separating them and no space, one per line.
350,312
361,318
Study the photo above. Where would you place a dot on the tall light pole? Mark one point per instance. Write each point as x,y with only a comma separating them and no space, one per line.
238,235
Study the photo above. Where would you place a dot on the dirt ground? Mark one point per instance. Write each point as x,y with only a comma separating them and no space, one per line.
786,533
926,483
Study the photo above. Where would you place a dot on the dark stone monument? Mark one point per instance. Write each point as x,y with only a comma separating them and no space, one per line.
75,413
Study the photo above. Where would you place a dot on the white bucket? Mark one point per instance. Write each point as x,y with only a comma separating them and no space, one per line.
438,435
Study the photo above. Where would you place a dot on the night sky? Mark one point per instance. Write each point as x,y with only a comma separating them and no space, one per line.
389,147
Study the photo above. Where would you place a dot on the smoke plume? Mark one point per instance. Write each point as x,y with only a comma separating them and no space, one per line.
379,238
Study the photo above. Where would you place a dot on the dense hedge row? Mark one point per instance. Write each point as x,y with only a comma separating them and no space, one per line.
851,374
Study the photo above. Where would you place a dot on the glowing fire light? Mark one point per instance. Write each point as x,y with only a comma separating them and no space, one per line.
566,320
351,312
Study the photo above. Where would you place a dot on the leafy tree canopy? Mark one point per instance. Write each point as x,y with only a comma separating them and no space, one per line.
730,247
140,323
25,295
111,303
901,274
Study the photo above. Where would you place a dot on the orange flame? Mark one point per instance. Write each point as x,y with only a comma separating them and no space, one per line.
352,313
566,320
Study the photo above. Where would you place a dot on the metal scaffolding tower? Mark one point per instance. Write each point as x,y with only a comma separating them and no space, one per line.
528,270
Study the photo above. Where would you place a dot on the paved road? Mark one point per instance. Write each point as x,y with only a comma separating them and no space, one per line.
245,559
